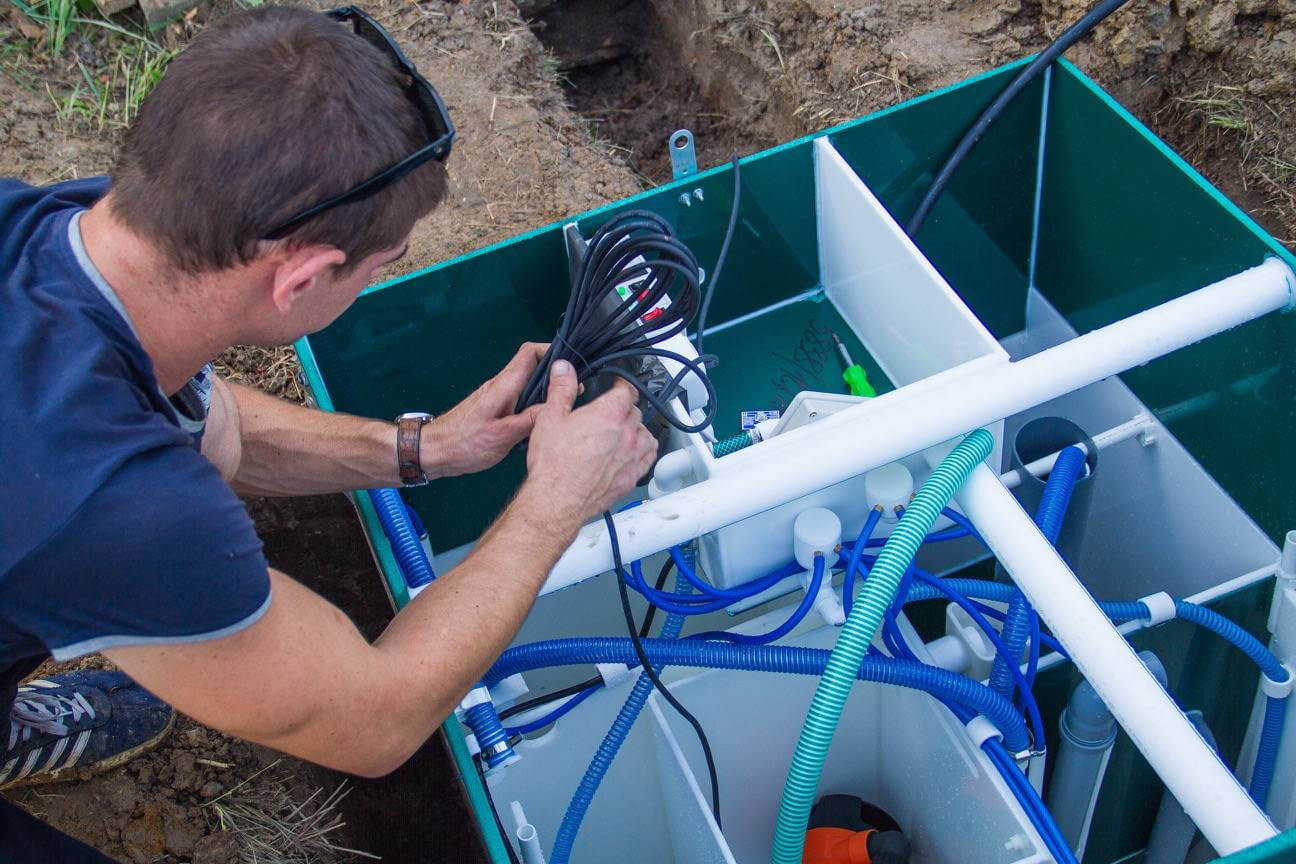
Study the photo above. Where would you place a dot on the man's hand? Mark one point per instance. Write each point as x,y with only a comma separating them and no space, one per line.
480,431
582,461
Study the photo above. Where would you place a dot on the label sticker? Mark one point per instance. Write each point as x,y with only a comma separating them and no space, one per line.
749,419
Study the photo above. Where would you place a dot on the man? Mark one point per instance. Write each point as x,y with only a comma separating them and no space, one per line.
121,455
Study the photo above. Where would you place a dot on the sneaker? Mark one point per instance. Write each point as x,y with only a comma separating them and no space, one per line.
90,720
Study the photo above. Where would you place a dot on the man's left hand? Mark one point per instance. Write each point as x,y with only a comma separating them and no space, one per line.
480,431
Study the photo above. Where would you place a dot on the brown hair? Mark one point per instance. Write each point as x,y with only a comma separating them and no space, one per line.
265,114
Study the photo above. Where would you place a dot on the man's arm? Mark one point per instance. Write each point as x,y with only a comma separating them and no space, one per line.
303,680
266,446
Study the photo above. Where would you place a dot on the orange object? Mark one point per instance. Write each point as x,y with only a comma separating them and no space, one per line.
836,846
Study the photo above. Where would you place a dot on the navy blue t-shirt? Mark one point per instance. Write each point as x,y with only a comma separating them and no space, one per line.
114,529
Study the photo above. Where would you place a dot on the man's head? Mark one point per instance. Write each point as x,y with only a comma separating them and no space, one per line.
265,114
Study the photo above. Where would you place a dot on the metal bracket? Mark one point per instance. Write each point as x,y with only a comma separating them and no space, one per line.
682,155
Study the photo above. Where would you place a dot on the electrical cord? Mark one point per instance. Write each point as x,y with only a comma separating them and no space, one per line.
602,333
724,253
588,683
1028,74
652,673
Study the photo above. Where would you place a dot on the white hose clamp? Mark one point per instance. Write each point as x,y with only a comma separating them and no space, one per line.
612,673
1277,689
981,729
1161,606
476,696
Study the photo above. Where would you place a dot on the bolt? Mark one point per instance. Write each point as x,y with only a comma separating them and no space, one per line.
1147,438
685,199
697,193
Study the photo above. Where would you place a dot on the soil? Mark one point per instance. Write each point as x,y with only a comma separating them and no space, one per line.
562,105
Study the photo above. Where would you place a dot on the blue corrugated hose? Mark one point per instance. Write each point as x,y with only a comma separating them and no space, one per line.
611,744
405,544
786,659
1048,516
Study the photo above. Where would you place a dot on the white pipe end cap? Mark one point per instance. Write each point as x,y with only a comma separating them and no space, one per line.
817,530
888,487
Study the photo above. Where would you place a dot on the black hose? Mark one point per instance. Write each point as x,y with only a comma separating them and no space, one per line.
652,673
724,253
1028,74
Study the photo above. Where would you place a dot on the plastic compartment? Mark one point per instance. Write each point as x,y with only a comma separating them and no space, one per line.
1156,520
909,320
896,748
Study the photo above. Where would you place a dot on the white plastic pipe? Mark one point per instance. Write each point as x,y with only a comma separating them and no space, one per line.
528,837
1189,767
904,421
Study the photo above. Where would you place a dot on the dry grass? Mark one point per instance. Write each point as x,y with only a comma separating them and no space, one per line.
272,830
274,370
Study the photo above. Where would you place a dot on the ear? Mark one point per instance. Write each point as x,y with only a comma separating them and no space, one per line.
298,271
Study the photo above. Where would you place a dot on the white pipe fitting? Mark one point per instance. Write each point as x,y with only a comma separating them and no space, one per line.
1161,606
1277,689
528,837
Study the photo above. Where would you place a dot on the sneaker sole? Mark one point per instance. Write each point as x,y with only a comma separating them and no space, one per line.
77,772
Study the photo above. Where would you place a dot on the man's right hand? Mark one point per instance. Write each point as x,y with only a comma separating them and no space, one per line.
582,461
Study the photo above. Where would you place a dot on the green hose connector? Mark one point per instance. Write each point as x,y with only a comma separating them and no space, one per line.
731,445
857,634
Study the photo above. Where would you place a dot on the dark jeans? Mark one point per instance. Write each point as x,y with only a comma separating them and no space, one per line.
24,839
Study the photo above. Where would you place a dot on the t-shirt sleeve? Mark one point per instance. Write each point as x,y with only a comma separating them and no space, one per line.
163,552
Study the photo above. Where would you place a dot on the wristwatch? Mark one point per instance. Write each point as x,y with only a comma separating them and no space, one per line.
409,432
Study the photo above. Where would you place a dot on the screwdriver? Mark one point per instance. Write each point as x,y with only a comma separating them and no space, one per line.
854,376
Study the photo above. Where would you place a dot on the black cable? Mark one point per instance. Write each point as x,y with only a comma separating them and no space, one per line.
601,334
991,113
544,699
724,253
499,826
597,680
652,610
652,673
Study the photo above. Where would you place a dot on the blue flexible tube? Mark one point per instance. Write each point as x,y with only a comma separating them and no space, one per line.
848,581
787,659
732,594
783,629
1048,516
1267,751
598,767
405,544
1235,635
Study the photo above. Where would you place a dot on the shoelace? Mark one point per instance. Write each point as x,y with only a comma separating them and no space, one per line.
44,712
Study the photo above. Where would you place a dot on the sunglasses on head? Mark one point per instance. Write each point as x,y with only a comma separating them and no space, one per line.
436,120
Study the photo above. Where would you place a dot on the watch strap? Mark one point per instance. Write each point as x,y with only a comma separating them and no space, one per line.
409,435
